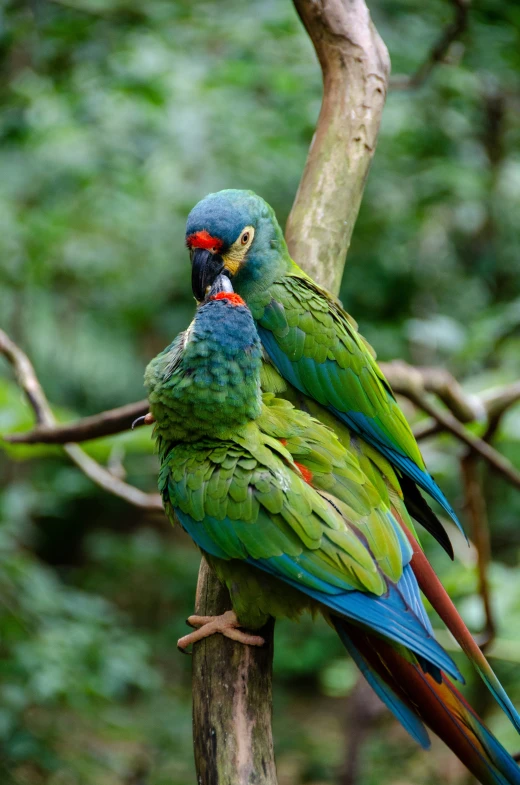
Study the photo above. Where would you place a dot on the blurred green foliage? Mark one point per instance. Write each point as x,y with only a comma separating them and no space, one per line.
116,117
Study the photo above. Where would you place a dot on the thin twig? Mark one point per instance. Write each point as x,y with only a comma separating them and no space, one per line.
29,383
409,380
403,378
451,424
454,30
427,428
475,504
106,423
364,709
497,402
494,402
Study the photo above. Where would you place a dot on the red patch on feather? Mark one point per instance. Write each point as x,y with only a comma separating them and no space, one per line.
203,239
233,298
283,442
306,473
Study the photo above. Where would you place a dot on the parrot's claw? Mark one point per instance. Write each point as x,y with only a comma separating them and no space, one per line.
226,624
146,419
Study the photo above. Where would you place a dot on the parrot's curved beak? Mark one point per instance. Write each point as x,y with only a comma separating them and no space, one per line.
205,267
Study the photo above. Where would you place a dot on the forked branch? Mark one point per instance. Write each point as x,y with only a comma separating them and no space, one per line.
28,381
440,51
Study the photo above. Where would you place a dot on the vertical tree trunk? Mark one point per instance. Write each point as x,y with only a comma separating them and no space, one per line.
355,66
232,692
232,698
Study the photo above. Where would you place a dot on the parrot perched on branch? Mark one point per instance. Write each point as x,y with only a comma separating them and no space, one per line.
310,340
293,519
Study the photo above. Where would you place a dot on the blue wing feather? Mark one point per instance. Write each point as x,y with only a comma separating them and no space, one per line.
408,719
393,615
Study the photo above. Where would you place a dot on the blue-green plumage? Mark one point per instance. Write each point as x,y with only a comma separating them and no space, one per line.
311,341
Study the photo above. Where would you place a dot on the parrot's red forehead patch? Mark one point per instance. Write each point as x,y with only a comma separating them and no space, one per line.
203,239
231,297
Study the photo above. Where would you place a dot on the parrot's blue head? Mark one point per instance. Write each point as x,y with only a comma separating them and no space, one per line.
235,233
207,382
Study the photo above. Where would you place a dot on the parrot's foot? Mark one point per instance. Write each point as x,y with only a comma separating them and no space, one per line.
226,624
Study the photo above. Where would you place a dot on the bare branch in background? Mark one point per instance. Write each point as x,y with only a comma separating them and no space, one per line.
439,52
403,378
413,383
452,425
497,402
475,504
426,429
28,381
364,709
494,403
410,381
104,424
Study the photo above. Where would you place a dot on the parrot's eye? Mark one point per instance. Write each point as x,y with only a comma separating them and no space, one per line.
235,256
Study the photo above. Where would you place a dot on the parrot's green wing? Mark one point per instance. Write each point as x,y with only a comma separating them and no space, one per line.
246,499
315,345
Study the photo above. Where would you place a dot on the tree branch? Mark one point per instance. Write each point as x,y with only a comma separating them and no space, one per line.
355,66
410,381
475,504
28,381
413,383
495,403
498,403
438,53
106,423
403,378
232,698
451,424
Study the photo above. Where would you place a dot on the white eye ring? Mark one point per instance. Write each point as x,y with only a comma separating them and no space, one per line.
245,238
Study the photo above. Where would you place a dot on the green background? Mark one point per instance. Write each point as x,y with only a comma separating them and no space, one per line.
116,117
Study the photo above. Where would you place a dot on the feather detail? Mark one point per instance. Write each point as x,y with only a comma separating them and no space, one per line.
314,344
443,605
400,681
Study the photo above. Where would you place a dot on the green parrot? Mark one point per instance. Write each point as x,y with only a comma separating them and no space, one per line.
308,337
290,520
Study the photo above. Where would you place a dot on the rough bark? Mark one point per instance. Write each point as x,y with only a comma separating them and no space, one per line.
355,66
232,683
232,697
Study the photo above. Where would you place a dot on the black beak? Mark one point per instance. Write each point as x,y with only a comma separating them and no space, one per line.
205,267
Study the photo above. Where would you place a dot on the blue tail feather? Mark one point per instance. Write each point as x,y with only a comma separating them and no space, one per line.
408,719
393,615
390,615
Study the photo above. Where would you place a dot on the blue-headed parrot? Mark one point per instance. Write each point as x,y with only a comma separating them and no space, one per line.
307,336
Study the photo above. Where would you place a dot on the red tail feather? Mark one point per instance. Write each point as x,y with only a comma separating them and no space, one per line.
442,708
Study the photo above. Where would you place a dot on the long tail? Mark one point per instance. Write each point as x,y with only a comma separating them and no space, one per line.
436,593
416,697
